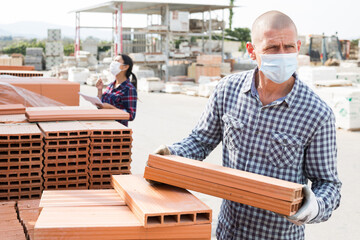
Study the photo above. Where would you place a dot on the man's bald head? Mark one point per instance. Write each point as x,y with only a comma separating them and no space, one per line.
272,20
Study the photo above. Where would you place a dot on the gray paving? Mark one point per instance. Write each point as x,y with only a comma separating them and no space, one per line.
167,118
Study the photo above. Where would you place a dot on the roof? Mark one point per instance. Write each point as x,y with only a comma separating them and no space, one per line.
153,7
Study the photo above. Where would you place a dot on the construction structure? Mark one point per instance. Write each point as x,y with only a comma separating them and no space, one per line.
175,23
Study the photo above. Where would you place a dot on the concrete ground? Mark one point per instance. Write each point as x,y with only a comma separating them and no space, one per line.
167,118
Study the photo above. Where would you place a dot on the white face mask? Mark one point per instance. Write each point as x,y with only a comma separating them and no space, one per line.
115,68
278,67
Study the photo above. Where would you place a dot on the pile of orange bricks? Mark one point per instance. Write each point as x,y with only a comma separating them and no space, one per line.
28,212
21,149
61,91
10,227
18,219
66,155
110,151
208,65
135,210
252,189
61,155
21,73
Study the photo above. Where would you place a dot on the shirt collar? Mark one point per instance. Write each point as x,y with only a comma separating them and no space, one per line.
249,85
250,78
123,84
289,99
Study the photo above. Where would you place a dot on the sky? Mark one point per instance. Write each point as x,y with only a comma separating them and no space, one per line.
310,16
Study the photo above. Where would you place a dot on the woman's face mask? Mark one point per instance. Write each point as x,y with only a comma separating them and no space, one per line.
278,67
115,68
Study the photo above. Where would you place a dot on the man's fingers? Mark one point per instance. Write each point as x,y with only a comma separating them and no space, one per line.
294,222
162,150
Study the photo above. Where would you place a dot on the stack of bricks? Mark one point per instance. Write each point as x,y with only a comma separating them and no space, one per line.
208,65
10,227
34,57
66,155
21,149
135,210
28,213
54,49
248,188
110,151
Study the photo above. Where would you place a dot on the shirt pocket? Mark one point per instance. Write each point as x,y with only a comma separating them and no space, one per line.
283,149
233,130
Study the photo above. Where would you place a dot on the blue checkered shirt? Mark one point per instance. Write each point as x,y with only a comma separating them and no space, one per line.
292,138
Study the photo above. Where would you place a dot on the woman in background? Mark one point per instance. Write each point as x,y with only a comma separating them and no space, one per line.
121,93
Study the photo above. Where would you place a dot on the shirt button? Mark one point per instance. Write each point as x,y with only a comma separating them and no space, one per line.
257,132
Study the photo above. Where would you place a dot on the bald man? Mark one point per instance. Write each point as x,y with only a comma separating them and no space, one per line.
270,123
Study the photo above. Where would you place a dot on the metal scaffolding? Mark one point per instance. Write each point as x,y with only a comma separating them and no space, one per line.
160,7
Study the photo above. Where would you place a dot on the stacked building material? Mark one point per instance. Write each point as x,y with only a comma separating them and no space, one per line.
54,48
28,213
21,149
10,227
79,114
110,151
61,91
5,60
17,60
139,42
264,192
208,65
176,213
13,118
109,222
9,109
78,198
34,57
21,73
160,206
18,68
66,155
90,45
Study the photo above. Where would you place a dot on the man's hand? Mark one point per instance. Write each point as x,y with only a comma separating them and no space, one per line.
162,150
308,211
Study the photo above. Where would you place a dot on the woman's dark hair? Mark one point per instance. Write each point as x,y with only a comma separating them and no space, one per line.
128,61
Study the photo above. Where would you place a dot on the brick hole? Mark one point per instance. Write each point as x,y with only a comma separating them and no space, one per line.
202,217
184,218
153,220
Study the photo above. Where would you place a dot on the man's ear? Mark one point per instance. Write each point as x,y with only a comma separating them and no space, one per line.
298,45
250,50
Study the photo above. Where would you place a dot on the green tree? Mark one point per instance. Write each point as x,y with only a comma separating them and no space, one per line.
242,35
104,46
238,34
20,47
68,49
231,13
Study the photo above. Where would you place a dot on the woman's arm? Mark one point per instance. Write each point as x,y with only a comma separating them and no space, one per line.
99,86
